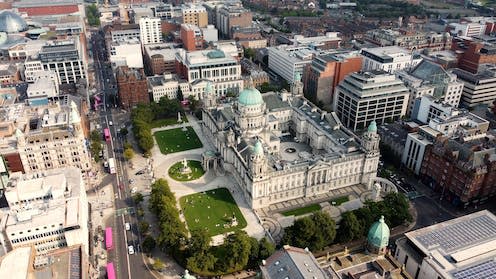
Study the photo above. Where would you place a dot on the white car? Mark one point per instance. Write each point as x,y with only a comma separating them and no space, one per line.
130,249
110,123
134,190
128,227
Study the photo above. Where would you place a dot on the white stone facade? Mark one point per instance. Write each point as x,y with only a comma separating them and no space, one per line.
281,147
48,210
389,59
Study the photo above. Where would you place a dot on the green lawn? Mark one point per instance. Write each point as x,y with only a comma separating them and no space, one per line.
302,210
212,210
339,200
167,122
196,171
175,140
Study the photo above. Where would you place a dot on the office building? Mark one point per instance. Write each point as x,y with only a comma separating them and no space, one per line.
126,52
48,210
62,57
288,61
389,59
473,54
370,96
167,11
168,86
132,87
160,58
212,65
329,41
410,39
468,164
192,37
229,16
430,79
120,32
247,132
45,134
210,34
478,88
326,71
466,29
195,15
150,30
460,248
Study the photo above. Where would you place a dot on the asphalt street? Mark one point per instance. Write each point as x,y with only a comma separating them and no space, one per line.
127,266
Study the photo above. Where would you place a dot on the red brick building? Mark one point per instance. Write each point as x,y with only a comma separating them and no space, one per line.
472,54
463,172
326,72
192,37
132,85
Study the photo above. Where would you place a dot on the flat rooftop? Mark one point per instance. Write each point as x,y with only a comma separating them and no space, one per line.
463,247
388,51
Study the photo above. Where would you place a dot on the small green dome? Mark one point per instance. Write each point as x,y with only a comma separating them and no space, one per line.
372,127
379,234
250,96
258,148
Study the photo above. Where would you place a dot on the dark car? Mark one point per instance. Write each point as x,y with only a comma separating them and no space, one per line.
140,172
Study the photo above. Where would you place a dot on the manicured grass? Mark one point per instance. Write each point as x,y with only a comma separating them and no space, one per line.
212,210
196,171
338,201
167,122
302,210
176,140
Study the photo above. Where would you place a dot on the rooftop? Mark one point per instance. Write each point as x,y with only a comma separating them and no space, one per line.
464,247
294,263
16,263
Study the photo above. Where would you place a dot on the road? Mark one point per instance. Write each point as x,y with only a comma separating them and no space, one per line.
127,266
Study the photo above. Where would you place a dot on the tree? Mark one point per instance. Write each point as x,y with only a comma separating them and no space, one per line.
158,265
327,227
148,244
146,141
349,227
249,53
143,227
199,242
138,198
201,262
237,249
266,248
128,154
124,131
193,103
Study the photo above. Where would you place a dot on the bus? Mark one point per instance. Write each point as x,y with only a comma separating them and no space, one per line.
108,238
106,133
111,165
110,271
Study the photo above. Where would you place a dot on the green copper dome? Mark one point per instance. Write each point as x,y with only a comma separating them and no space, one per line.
379,234
258,148
372,127
250,96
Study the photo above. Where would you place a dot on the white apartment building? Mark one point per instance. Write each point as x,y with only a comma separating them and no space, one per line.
31,68
389,59
415,145
478,89
42,87
212,65
150,30
459,248
289,61
210,33
430,79
367,96
46,209
126,52
47,134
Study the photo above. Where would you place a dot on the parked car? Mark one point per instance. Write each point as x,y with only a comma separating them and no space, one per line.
140,172
130,249
127,226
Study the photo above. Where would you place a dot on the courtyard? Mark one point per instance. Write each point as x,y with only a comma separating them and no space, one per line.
195,171
176,140
214,210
